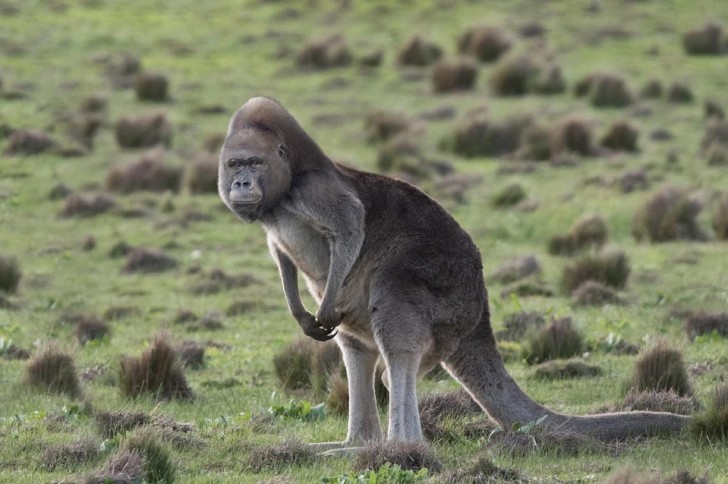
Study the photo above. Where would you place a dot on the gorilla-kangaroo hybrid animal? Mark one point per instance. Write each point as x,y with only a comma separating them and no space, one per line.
394,275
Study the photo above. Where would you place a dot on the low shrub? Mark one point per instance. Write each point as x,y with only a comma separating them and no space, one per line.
191,355
716,132
717,155
151,87
549,80
478,136
609,267
293,364
535,143
449,75
485,43
91,329
652,89
605,90
669,214
558,340
660,367
513,76
572,135
587,232
419,51
510,196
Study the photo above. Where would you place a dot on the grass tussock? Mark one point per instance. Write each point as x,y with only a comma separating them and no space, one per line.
652,89
706,323
717,155
711,425
485,43
515,269
157,457
627,475
587,232
111,423
550,80
192,355
200,176
451,75
280,456
383,125
632,181
543,441
91,329
325,53
147,261
152,87
510,196
483,470
557,340
713,110
610,267
10,274
157,372
453,404
593,293
86,205
218,280
621,136
716,133
660,367
53,370
517,325
122,467
562,370
477,135
337,399
411,456
706,40
149,173
658,401
71,455
144,131
668,214
680,93
293,364
605,90
28,142
419,51
514,76
572,135
719,217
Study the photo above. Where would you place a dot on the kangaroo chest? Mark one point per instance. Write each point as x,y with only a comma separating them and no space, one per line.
303,243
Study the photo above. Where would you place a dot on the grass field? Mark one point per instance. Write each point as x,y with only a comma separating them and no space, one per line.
56,55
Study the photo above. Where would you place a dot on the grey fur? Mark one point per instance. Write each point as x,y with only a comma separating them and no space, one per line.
393,273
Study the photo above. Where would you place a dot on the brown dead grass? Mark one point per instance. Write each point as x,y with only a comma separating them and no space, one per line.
407,455
157,372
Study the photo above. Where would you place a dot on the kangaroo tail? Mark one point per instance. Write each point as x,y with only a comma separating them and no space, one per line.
478,366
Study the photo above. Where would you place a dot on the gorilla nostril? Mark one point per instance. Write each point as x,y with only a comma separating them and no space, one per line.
237,185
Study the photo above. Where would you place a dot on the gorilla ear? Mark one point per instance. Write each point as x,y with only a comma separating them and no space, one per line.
282,151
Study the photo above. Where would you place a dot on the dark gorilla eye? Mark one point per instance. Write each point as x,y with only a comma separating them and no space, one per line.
235,163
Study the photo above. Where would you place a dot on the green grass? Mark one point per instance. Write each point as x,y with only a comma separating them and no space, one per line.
222,53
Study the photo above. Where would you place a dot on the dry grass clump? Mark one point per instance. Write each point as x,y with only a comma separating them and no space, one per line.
407,455
218,280
143,131
10,274
544,441
71,455
148,173
157,458
147,261
513,76
621,136
515,269
454,75
679,92
192,355
658,401
419,51
86,205
712,424
29,142
122,467
477,135
510,196
83,128
632,181
115,422
483,470
605,90
713,110
383,125
593,293
628,475
454,404
609,267
720,216
535,143
558,340
550,80
707,40
717,155
587,232
337,399
122,69
706,323
285,455
561,370
572,135
660,367
325,53
669,214
652,89
485,43
157,371
151,87
527,288
91,329
306,364
201,175
53,370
